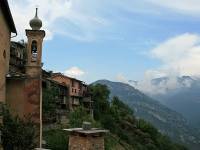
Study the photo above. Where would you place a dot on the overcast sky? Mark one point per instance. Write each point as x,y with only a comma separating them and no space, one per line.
116,39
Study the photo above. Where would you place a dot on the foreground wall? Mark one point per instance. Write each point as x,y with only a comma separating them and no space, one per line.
77,142
23,98
4,54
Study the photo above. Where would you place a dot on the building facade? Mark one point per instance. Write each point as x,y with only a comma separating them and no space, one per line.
60,94
6,28
86,138
24,80
79,94
18,57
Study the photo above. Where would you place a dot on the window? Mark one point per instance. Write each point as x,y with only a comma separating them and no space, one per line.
4,54
34,50
73,84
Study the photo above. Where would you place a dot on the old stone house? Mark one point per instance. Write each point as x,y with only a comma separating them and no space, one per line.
78,92
72,92
7,27
24,79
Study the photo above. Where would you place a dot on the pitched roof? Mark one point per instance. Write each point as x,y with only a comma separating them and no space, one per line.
64,76
8,16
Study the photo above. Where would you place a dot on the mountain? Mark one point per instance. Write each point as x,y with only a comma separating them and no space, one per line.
166,120
184,97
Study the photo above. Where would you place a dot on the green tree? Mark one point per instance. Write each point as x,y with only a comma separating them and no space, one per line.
49,103
56,139
79,116
17,133
100,96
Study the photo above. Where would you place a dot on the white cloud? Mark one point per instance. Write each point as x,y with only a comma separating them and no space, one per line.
73,18
84,20
121,78
180,55
182,6
74,72
171,83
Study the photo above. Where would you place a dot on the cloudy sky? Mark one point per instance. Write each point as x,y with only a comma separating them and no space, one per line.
116,39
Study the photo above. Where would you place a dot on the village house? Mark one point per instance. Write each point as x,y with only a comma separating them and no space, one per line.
24,77
17,57
7,27
78,91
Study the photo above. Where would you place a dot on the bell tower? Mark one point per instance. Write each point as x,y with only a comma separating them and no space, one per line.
34,47
33,84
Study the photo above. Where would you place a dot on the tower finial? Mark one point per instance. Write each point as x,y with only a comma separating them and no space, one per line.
36,23
36,12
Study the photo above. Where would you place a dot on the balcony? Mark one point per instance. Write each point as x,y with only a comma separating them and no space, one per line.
87,100
75,102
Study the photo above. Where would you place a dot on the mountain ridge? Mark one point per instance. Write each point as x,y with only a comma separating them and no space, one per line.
183,96
166,120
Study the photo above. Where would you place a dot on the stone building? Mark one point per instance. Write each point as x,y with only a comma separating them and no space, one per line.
61,93
72,93
7,27
86,138
78,92
24,80
18,57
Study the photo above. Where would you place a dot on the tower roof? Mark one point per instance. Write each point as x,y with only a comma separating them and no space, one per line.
36,23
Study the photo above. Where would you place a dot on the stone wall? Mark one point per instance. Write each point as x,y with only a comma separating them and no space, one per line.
23,99
77,142
4,54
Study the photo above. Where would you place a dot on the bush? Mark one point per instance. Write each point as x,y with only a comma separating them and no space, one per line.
56,139
49,104
17,133
79,116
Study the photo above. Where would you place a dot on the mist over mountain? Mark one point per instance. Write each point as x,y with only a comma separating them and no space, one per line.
166,120
181,94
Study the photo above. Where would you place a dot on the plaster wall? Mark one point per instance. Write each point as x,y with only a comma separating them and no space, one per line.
5,35
23,97
77,142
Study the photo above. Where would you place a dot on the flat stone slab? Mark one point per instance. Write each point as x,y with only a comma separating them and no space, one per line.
92,131
41,149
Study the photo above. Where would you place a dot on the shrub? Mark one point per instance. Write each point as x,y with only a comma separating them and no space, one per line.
56,139
17,133
79,116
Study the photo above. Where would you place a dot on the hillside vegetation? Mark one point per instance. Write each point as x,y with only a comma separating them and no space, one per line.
166,120
131,133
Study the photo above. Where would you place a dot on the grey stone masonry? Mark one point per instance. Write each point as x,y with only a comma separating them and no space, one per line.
86,138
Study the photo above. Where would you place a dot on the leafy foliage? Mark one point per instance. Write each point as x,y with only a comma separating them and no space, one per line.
49,103
56,139
101,95
17,133
79,116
